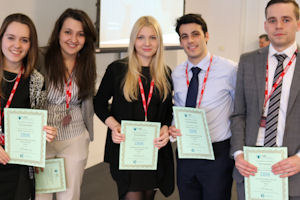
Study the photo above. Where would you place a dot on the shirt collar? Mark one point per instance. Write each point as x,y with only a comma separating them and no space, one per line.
203,64
288,51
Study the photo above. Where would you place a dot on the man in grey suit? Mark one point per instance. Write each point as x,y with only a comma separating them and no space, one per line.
270,116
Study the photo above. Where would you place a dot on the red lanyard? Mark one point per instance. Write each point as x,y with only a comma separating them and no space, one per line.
12,93
204,81
267,97
143,95
68,92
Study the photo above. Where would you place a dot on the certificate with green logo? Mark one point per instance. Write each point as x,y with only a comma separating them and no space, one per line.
265,184
195,142
25,140
138,151
52,179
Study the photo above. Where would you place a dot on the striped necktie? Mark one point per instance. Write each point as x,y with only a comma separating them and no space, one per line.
274,104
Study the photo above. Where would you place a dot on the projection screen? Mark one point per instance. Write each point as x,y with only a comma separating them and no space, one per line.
118,16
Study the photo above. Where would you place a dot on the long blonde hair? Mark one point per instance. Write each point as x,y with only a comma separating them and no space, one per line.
158,69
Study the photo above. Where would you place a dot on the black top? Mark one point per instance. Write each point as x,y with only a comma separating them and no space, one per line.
15,182
21,97
158,111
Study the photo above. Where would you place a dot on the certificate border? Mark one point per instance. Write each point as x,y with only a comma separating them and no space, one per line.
20,111
62,182
122,165
283,153
210,155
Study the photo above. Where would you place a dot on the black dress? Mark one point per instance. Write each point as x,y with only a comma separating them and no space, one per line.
15,181
158,111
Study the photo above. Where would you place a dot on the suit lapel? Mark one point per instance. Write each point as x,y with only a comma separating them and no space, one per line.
294,90
260,63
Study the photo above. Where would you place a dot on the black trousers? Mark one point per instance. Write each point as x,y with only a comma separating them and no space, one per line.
200,179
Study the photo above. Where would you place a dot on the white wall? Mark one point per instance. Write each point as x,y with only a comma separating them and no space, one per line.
223,22
233,26
44,13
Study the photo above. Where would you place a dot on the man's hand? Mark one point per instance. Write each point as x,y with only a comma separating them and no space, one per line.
174,132
287,167
244,167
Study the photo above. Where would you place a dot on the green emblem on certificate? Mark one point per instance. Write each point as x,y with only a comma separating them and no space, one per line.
25,140
138,151
265,184
195,142
52,179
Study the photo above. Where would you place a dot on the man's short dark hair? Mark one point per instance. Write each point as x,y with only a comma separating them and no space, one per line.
296,6
191,18
265,36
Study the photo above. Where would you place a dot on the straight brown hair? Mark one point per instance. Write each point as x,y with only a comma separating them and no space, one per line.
29,61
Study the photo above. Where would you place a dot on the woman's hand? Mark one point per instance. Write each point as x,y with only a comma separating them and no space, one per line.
4,158
163,139
51,133
115,128
116,135
38,170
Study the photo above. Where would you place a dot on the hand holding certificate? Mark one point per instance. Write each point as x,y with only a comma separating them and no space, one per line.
265,184
195,141
52,179
138,151
25,140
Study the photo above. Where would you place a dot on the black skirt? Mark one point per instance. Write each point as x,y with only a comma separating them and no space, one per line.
16,182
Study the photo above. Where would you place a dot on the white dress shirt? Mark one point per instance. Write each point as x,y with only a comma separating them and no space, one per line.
218,95
285,91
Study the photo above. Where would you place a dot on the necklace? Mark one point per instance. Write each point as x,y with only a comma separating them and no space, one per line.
10,81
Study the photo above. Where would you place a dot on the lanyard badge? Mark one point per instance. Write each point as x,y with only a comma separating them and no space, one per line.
12,93
143,96
204,81
67,118
263,119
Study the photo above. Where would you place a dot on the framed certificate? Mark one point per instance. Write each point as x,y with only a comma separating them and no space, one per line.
138,151
25,140
195,142
52,179
265,184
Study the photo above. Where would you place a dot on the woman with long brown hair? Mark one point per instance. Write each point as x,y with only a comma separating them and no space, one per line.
70,72
21,86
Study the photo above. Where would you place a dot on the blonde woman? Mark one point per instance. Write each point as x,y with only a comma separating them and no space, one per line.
144,65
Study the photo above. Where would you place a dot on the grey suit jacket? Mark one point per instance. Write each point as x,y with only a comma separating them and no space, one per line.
87,108
248,105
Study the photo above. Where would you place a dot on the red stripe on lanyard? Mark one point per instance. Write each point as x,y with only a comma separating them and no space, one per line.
143,95
204,81
68,91
267,97
12,93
